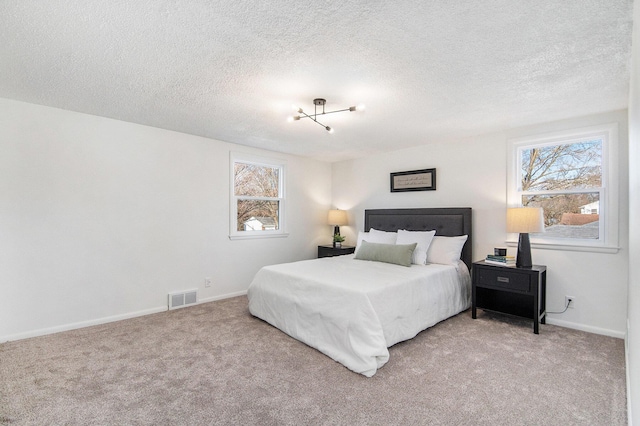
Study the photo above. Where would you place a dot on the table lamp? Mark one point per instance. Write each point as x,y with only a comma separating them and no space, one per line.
524,220
337,218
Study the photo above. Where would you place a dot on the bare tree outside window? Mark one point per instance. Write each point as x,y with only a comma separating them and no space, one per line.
572,175
257,191
564,180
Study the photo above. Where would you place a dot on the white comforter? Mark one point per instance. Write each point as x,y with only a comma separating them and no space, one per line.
353,310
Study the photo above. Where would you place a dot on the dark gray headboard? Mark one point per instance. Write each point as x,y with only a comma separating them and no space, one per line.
448,222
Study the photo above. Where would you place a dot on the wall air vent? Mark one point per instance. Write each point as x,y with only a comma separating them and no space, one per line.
182,299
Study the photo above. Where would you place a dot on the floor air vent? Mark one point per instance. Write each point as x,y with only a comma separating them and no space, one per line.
182,299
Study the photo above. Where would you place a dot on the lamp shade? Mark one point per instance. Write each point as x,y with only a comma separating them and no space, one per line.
337,217
525,220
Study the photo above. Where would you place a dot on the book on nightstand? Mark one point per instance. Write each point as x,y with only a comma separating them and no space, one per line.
501,260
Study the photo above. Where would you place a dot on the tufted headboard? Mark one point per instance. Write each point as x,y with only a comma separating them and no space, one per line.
448,222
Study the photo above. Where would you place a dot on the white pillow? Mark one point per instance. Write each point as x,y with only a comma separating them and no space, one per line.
375,236
381,237
361,236
445,250
422,238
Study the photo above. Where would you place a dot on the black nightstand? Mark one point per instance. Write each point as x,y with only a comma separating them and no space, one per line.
510,290
330,251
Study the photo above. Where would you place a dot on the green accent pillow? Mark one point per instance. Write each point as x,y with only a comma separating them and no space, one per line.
398,254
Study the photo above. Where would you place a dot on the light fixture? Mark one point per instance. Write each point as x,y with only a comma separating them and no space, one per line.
317,103
524,220
337,218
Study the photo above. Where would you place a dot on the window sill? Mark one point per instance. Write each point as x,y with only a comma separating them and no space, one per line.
569,247
257,236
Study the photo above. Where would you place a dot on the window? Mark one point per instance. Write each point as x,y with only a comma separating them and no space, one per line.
257,197
571,175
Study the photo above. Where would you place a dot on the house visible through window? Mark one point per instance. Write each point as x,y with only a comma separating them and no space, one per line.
566,181
567,175
257,197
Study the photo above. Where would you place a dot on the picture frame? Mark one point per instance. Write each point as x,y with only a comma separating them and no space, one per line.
414,180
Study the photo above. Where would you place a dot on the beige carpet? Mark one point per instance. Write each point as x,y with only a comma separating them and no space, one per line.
216,364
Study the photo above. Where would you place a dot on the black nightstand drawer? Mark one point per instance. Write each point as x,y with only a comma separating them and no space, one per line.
503,278
330,251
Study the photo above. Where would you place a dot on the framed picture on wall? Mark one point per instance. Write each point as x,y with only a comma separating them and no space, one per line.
414,180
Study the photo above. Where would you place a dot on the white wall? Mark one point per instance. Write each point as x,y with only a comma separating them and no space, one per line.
472,173
100,219
633,336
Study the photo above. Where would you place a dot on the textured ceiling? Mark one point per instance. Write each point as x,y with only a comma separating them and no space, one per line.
230,70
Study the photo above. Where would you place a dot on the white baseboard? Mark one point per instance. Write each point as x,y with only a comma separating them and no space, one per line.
587,328
224,296
82,324
74,326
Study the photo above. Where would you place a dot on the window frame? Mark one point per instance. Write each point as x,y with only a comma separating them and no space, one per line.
608,191
280,164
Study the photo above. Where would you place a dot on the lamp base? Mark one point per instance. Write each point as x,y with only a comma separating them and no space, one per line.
336,230
523,259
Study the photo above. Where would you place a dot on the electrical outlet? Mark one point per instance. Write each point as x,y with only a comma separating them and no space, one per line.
571,299
207,282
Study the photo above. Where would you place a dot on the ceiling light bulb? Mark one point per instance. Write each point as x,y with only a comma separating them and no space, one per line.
360,107
290,119
329,129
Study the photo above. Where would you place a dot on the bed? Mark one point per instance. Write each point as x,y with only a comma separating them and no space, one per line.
353,310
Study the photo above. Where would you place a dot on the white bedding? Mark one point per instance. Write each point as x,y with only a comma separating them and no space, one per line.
353,310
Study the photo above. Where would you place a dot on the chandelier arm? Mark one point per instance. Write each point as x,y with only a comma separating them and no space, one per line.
324,113
312,118
338,110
